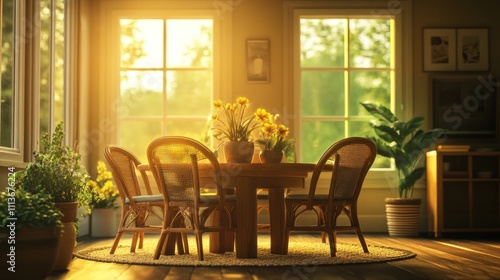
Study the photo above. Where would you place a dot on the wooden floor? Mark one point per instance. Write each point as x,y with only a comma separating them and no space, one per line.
449,257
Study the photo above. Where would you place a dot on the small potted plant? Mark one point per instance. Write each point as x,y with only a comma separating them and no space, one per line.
405,143
273,143
57,171
30,227
103,203
235,129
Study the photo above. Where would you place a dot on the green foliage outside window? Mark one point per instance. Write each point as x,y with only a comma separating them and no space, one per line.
339,71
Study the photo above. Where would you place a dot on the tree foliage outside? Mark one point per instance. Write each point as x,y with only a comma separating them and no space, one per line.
52,50
157,99
7,72
343,61
51,66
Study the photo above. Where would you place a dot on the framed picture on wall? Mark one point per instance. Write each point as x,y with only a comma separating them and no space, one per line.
472,49
439,49
257,61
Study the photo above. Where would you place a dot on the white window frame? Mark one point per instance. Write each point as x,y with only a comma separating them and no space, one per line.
27,80
400,10
14,156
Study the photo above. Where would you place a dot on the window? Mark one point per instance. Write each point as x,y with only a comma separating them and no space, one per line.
8,105
342,57
33,56
52,64
166,79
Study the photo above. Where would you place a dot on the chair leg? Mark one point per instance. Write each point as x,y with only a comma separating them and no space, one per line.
355,223
179,241
185,241
159,246
332,239
362,240
286,239
141,240
289,222
115,243
199,243
134,242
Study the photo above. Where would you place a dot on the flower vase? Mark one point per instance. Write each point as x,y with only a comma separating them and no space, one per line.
271,156
104,222
239,151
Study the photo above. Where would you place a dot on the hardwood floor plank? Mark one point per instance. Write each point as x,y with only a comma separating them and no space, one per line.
419,266
242,273
443,258
145,272
179,273
448,263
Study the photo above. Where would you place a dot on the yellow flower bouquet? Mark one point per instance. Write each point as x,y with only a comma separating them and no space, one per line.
104,192
235,126
274,136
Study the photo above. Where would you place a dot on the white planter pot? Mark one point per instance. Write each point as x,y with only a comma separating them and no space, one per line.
104,222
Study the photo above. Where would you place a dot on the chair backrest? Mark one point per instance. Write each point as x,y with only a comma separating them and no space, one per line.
351,158
174,162
123,165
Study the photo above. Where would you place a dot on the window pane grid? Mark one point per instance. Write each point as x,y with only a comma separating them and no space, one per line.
343,61
166,77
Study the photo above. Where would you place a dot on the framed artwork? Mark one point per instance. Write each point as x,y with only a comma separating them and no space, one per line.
472,49
465,105
257,61
439,49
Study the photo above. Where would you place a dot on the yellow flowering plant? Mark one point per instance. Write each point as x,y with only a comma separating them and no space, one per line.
104,192
235,126
274,135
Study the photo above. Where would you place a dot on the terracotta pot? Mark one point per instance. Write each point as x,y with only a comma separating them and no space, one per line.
34,252
238,151
67,240
271,156
403,216
104,222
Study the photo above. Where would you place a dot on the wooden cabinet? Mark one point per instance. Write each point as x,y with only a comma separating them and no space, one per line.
463,191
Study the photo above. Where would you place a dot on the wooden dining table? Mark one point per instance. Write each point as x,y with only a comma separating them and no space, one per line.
246,178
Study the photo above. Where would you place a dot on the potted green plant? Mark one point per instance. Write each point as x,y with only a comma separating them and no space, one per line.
30,226
235,128
274,143
405,143
57,171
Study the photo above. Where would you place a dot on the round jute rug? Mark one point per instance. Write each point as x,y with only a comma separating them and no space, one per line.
299,253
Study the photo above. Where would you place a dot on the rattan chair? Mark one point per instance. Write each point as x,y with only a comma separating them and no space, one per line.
174,161
137,205
351,158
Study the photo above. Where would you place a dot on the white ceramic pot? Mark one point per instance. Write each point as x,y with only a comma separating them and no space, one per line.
104,222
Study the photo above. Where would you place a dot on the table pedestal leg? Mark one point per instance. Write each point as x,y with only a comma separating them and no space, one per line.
246,218
276,219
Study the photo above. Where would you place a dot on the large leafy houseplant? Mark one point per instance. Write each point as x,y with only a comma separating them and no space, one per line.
30,229
57,170
28,210
405,142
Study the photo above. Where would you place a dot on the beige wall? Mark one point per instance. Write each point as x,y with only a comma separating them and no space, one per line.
259,20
